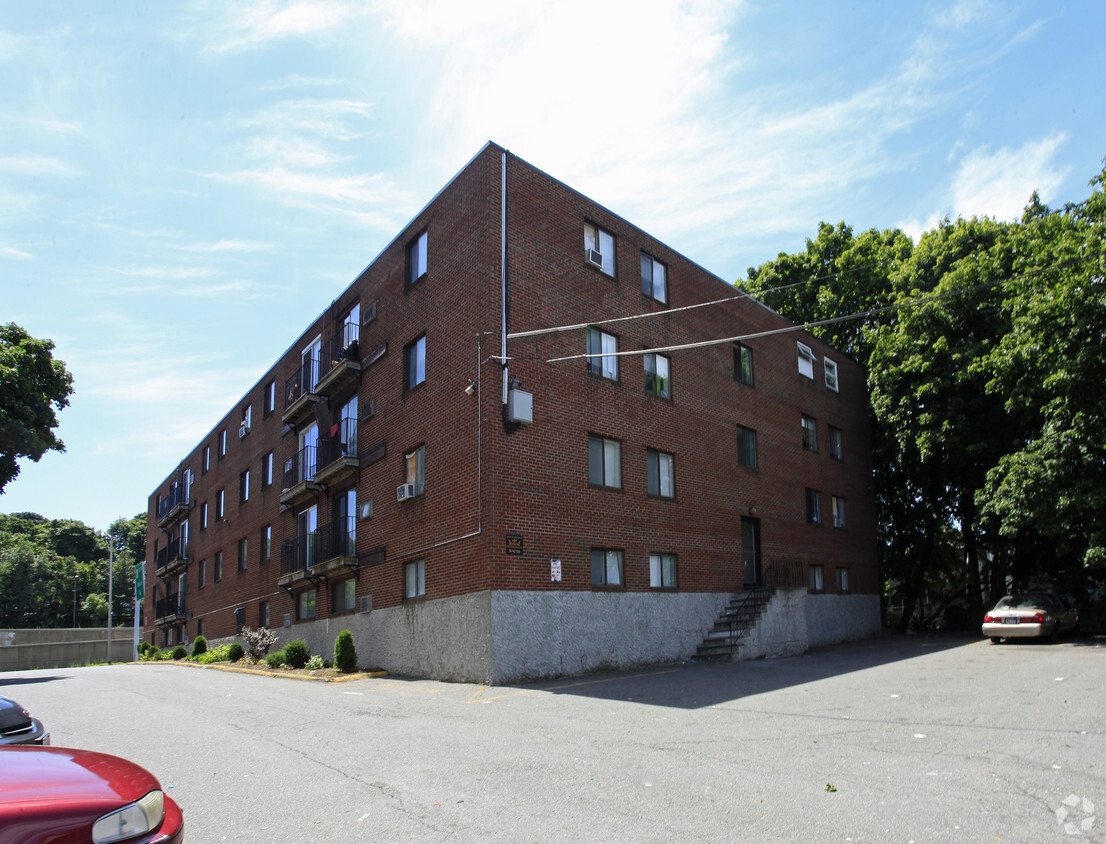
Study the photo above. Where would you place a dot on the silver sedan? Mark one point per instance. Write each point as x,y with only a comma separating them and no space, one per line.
1029,615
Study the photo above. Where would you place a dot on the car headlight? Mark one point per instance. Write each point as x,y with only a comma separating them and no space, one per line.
137,818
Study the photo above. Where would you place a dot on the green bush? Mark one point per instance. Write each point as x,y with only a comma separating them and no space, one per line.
143,649
345,654
296,653
199,647
219,653
151,652
316,662
275,659
235,652
180,652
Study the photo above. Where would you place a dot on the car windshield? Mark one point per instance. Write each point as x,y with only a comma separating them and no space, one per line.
1024,602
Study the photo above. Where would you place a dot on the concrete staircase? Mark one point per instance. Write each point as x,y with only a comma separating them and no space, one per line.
737,620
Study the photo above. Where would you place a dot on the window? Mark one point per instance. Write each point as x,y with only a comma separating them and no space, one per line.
243,551
838,505
218,566
305,604
239,619
806,361
746,447
200,627
414,467
222,443
599,248
247,416
657,379
414,357
202,575
244,487
835,449
416,259
270,397
263,614
606,567
659,467
266,543
309,365
206,464
817,578
813,507
831,374
220,503
842,580
603,346
743,364
662,571
344,596
203,516
810,433
654,283
351,329
414,579
604,462
267,470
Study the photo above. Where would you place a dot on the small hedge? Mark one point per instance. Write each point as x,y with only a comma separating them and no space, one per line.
345,653
180,652
235,652
199,646
296,653
275,659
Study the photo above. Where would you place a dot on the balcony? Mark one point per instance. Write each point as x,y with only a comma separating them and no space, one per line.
170,610
301,392
337,454
340,363
299,476
297,556
172,558
175,506
336,546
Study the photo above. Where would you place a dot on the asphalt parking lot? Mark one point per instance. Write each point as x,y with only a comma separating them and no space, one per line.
899,739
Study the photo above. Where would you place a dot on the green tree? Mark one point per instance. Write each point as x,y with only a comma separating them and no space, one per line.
32,386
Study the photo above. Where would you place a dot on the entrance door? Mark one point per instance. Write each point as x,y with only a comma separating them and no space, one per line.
307,527
750,552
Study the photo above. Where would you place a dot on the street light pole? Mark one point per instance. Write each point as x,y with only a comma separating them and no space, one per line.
111,573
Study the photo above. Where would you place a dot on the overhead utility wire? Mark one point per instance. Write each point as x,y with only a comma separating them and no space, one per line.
742,295
831,321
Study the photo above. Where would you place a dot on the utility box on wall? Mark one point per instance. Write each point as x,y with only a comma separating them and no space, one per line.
520,406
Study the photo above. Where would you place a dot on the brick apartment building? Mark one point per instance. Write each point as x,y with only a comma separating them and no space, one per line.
477,498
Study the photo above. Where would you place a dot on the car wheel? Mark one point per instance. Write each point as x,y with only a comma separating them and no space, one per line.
995,640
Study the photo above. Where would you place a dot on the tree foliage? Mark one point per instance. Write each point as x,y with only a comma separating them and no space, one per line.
32,387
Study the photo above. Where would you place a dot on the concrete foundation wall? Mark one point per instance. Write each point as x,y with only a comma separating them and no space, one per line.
841,618
795,621
22,650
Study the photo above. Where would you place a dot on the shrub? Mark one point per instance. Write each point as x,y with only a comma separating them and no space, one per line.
258,642
144,648
345,654
316,662
275,659
199,646
219,653
180,652
235,652
296,653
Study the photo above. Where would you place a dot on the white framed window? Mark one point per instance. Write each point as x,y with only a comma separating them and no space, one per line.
810,433
606,567
658,380
603,347
842,580
223,442
266,543
202,576
244,487
599,248
813,507
817,578
838,505
218,565
831,373
414,467
263,614
220,504
267,469
661,472
414,357
604,462
743,364
654,278
416,258
309,365
247,416
306,604
351,326
344,596
243,553
270,397
662,571
746,446
806,360
414,579
836,450
206,464
203,516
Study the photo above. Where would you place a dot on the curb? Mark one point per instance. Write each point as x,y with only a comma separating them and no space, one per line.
344,678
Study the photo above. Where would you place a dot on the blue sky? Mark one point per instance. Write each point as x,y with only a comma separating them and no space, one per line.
184,186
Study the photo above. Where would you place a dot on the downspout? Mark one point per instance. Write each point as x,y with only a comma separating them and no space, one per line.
503,272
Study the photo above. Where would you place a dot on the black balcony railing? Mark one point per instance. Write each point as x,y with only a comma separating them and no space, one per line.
342,346
342,444
170,606
297,554
303,382
177,498
337,539
301,467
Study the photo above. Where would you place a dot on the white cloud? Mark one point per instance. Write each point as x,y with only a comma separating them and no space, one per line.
999,184
16,254
240,27
36,165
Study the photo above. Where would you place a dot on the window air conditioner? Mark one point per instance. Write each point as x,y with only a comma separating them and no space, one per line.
366,510
595,258
243,430
405,491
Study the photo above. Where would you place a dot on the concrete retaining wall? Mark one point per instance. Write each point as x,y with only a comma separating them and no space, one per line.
22,650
